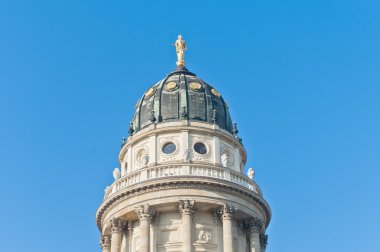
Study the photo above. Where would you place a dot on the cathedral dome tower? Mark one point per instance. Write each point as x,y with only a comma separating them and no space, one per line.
181,183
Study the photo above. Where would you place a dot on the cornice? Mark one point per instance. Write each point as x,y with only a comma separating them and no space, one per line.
173,183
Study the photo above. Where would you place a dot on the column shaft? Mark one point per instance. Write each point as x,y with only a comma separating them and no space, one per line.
116,242
255,242
144,234
227,234
186,209
186,227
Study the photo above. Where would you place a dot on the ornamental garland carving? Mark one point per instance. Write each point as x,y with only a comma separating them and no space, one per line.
202,157
172,156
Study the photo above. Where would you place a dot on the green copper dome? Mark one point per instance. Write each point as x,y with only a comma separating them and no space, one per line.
181,96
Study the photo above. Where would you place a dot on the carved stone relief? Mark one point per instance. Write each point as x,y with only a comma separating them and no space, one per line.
204,236
202,157
168,157
141,156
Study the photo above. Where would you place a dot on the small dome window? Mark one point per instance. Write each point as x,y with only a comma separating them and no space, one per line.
200,148
169,148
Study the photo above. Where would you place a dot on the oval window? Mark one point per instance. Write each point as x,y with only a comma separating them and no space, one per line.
200,148
169,148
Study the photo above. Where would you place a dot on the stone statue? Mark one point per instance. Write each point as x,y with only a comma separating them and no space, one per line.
251,173
224,159
180,46
145,159
186,156
116,174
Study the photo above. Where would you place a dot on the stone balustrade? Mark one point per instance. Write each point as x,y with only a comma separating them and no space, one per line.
189,170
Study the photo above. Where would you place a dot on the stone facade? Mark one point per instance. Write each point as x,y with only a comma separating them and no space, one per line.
181,187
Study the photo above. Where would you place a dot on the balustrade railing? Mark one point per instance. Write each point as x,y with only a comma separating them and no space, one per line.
181,170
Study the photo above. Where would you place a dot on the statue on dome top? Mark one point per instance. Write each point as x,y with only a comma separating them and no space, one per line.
180,46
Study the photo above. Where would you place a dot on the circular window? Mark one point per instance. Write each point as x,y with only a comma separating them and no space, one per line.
169,148
200,148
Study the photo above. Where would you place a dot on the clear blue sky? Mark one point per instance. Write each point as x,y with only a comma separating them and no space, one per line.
301,78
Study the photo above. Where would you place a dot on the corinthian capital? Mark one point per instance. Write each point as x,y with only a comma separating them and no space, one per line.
105,242
255,224
263,240
145,212
117,225
186,206
226,212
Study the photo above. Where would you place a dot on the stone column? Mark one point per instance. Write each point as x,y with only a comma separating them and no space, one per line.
117,228
227,213
105,243
186,209
145,214
255,225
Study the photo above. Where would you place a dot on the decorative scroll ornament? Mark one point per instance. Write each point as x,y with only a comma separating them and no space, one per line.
145,212
180,46
226,212
186,206
255,224
105,242
117,225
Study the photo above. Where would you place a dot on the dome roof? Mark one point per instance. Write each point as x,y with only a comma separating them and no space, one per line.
181,95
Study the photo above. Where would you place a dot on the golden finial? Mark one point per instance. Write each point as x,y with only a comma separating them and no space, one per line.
180,46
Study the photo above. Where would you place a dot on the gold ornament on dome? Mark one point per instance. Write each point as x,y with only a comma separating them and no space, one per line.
150,92
195,86
171,86
214,92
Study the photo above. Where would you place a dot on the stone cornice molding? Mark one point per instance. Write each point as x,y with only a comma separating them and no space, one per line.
145,212
117,225
105,242
186,207
170,184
